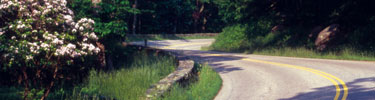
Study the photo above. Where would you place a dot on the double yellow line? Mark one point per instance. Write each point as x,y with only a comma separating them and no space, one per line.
325,75
330,77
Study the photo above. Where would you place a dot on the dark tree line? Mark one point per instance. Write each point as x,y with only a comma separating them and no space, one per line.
296,19
156,16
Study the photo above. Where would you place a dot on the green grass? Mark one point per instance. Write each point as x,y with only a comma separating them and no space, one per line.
255,40
232,38
161,37
344,54
206,88
130,83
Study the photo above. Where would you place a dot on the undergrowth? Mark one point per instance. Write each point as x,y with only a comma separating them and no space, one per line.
205,88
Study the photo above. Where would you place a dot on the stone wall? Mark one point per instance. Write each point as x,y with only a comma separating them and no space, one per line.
183,71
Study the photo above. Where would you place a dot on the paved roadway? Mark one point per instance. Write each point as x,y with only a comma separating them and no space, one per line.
256,77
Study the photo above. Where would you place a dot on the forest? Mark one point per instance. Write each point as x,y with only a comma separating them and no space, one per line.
48,45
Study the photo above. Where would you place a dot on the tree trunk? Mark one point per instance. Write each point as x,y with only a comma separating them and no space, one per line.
204,24
175,22
139,24
175,25
109,62
196,16
26,83
204,18
101,55
48,88
135,17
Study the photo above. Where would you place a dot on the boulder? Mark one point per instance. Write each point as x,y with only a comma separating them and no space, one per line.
326,37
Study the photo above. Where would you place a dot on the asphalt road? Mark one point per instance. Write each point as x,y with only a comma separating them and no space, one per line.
257,77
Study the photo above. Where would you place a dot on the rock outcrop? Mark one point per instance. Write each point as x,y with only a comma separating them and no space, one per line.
326,37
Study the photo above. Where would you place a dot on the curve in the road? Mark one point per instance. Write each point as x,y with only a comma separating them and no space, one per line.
256,77
325,75
317,72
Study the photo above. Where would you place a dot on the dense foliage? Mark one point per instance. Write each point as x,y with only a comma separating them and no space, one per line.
178,16
111,17
152,16
292,23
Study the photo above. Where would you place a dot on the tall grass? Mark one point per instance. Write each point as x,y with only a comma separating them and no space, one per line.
130,83
344,54
256,38
206,88
233,38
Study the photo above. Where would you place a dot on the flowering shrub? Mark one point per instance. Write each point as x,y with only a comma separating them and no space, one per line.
42,34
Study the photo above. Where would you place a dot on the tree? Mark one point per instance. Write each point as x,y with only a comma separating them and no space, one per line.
113,21
38,39
299,17
135,16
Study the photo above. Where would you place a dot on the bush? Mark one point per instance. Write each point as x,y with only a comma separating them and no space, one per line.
40,43
206,88
242,37
232,38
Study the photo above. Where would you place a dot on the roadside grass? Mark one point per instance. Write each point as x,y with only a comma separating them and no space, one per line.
344,54
205,88
256,39
163,37
135,71
131,83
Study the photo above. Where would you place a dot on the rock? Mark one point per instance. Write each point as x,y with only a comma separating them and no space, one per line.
326,37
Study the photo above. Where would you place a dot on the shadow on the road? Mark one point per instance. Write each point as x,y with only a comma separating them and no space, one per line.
357,91
215,61
199,56
224,69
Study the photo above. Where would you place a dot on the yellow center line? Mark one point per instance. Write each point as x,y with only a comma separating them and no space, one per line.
317,72
302,68
330,77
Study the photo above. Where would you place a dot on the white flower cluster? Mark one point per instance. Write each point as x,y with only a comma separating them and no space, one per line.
45,26
5,4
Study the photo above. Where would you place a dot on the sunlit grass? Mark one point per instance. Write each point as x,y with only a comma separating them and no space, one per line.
206,88
130,83
344,54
